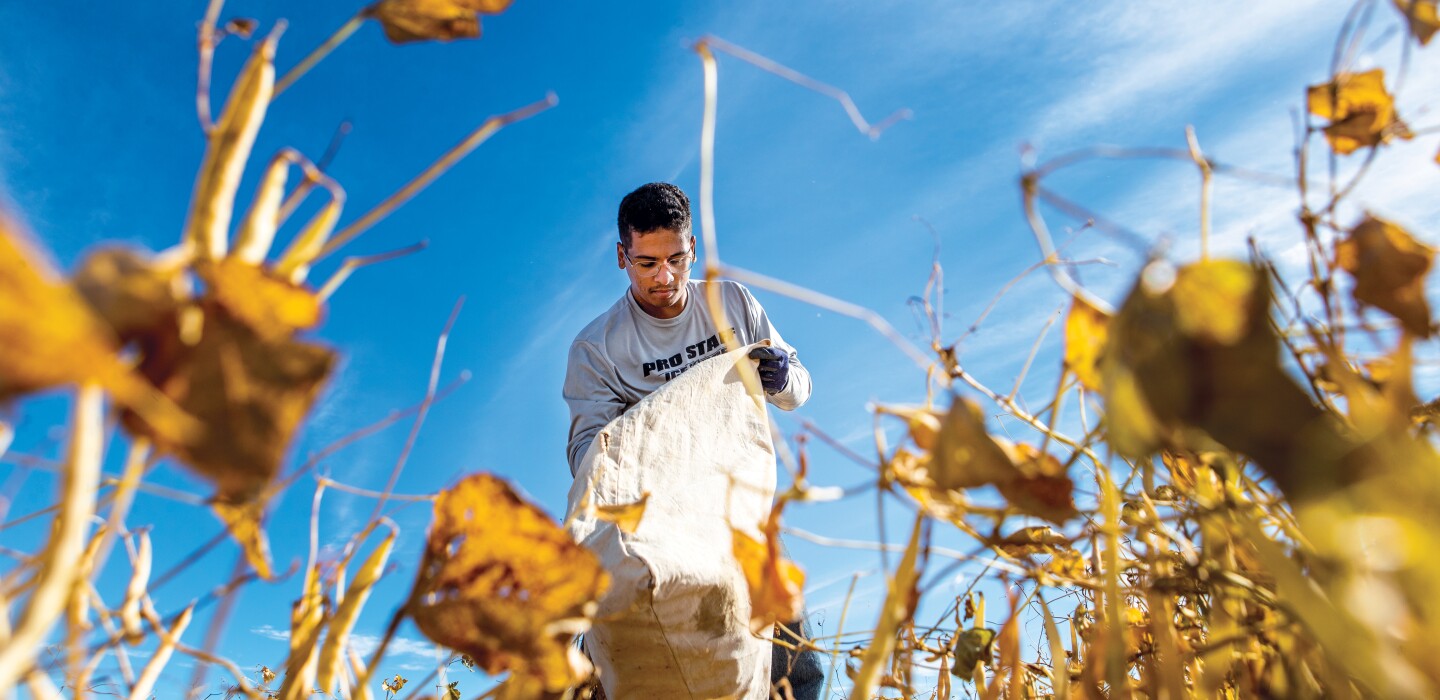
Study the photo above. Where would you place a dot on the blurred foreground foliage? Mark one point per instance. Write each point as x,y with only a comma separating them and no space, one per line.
1265,476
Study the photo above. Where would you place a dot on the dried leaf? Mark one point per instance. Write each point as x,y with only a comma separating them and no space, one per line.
1039,486
1389,267
242,27
395,684
973,647
1421,16
270,306
627,516
249,391
965,456
48,335
441,20
501,582
1067,563
135,294
266,675
244,522
1195,358
775,582
1360,110
1086,328
1030,540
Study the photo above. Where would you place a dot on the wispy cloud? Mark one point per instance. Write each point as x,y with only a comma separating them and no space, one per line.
366,644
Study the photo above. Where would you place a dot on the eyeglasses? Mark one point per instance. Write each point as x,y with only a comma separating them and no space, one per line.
647,267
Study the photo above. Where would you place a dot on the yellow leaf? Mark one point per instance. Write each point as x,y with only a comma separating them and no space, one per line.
775,582
1085,330
50,337
250,393
1421,16
1360,110
243,520
1194,355
1389,268
1039,486
270,306
133,293
440,20
1067,563
501,582
1030,540
627,516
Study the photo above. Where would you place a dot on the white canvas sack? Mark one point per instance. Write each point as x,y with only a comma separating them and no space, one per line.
675,622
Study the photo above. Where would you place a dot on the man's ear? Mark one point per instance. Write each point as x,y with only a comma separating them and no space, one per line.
692,246
620,255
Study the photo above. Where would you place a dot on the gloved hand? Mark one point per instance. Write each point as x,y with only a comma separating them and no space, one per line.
774,368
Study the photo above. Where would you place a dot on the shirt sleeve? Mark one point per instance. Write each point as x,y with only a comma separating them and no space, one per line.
592,399
797,385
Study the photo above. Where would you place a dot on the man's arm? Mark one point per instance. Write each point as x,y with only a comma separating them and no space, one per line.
797,386
592,400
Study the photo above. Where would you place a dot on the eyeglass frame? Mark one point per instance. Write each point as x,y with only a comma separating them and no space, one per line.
688,256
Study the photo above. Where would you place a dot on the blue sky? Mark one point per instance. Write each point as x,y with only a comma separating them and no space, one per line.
99,141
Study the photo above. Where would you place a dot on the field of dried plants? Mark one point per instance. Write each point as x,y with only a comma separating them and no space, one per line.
1267,477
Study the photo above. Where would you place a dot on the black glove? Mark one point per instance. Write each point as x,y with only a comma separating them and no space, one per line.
774,368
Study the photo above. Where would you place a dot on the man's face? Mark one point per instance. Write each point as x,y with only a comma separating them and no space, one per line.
660,290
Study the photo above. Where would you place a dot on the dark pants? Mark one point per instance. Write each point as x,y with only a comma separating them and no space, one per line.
803,669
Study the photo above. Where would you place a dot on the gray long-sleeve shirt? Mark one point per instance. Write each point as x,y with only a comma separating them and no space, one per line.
625,354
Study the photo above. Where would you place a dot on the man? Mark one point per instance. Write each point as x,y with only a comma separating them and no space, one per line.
662,326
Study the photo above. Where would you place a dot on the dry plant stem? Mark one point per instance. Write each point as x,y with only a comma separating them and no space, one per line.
1206,185
836,445
1049,256
42,688
1137,242
216,630
795,291
168,640
878,547
55,579
207,54
354,263
1030,359
363,681
409,498
313,175
435,366
436,169
361,434
241,681
1014,410
123,497
321,52
1066,160
765,64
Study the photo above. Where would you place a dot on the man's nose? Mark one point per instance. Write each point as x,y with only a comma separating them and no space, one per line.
665,275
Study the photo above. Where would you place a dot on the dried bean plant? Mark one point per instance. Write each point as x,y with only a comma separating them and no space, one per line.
1265,477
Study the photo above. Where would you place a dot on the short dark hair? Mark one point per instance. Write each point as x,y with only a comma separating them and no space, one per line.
651,207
